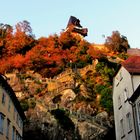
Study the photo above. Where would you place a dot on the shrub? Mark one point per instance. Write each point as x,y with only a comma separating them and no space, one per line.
99,88
106,99
80,64
38,90
32,103
123,56
24,105
89,59
83,50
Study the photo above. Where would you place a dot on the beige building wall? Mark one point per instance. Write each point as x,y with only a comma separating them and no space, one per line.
10,114
123,113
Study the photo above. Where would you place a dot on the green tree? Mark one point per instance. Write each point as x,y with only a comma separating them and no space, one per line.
106,99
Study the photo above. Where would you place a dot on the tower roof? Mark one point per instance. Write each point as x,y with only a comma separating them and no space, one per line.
76,26
74,21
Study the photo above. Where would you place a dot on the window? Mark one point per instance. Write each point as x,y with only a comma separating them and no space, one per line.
1,122
8,127
129,122
3,98
119,102
138,116
117,84
125,93
9,105
120,75
119,78
122,128
139,109
17,136
14,114
20,123
17,119
13,133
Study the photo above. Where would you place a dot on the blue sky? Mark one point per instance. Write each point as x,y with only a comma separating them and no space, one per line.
101,17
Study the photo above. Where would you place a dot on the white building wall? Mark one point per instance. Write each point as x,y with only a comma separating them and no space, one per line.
122,83
137,107
136,81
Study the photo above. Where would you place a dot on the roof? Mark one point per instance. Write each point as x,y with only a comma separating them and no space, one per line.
11,93
82,31
132,64
133,52
77,28
74,21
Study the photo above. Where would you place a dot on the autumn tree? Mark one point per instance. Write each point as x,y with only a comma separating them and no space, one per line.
117,42
22,39
94,52
5,34
5,29
24,27
69,39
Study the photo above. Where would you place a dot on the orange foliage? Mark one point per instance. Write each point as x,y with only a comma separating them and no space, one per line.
95,53
6,65
19,61
67,39
47,55
18,43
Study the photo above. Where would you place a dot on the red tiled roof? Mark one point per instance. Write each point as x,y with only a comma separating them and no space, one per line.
132,64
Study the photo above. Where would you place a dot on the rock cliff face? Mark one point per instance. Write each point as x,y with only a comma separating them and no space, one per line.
76,102
43,125
56,108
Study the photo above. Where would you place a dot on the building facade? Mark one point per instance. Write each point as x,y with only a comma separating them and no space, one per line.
135,99
11,114
126,83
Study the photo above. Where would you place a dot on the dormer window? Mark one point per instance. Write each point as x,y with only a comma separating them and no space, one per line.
120,75
122,128
119,78
125,93
119,102
129,122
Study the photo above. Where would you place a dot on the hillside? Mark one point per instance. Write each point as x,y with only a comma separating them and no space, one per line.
63,82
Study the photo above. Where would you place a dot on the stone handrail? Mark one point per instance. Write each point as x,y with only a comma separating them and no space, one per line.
64,73
89,67
80,116
97,133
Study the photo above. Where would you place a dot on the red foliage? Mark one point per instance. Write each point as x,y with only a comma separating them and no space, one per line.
6,64
47,55
19,61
